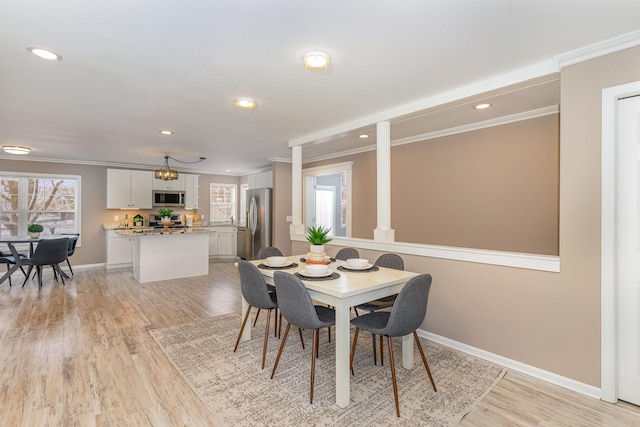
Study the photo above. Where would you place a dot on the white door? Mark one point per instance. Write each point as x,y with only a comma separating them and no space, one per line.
627,220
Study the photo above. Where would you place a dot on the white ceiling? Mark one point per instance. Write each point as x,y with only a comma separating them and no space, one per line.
133,67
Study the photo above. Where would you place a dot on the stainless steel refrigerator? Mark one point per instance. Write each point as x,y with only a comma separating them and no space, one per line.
258,233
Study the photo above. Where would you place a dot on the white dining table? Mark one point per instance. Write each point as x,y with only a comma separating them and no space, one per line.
344,292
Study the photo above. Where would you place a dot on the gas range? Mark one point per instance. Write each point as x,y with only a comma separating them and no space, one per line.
177,221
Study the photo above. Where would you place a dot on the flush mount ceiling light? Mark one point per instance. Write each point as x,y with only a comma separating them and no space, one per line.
363,136
166,132
482,106
16,149
246,103
165,173
316,60
45,54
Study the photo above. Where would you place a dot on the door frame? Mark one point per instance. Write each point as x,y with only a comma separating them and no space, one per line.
609,305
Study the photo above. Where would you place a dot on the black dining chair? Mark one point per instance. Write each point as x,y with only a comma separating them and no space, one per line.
10,259
405,318
73,241
347,253
48,252
395,262
297,308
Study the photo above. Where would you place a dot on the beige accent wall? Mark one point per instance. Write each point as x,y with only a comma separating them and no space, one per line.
281,206
494,188
551,321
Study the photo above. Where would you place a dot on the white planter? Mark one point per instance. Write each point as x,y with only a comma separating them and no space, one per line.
316,253
165,220
34,235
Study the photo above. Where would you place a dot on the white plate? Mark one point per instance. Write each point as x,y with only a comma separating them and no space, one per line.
307,274
286,264
348,267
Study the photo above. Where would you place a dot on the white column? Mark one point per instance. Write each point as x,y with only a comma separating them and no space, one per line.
297,226
383,231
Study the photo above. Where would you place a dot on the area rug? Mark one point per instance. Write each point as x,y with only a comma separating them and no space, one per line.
238,393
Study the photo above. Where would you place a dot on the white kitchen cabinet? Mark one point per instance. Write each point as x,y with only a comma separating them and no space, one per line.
119,249
213,242
227,241
191,198
261,180
129,189
173,185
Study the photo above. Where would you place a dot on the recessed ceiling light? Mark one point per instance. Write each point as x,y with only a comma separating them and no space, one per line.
246,103
166,132
363,136
227,170
16,149
45,54
316,60
482,106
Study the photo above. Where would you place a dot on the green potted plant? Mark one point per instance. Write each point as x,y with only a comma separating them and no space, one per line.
165,213
317,236
35,230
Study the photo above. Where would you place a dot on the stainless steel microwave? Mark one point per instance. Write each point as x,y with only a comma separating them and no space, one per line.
168,198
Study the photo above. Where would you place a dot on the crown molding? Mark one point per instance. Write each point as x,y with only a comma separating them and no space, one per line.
600,48
512,118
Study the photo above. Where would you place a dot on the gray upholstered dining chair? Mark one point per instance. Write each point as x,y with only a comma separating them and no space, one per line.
298,309
268,251
347,253
48,252
405,318
263,253
387,260
254,290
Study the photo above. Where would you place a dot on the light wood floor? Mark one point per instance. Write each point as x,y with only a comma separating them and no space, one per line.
81,355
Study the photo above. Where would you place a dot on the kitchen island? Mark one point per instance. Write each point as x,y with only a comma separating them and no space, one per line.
170,255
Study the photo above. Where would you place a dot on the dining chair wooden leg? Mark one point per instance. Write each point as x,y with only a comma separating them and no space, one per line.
314,352
256,319
266,338
424,360
381,351
353,349
373,338
284,339
244,322
393,376
275,324
301,339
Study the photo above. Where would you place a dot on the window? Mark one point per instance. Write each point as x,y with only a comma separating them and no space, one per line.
52,201
222,200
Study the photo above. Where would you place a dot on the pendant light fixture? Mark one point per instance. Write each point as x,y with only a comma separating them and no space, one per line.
165,173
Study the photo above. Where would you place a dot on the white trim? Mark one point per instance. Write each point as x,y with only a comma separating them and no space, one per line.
499,121
505,259
600,48
514,365
609,360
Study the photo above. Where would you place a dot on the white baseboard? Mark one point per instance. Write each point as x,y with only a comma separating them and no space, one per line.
514,365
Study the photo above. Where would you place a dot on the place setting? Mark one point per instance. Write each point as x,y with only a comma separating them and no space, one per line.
317,272
277,263
358,265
